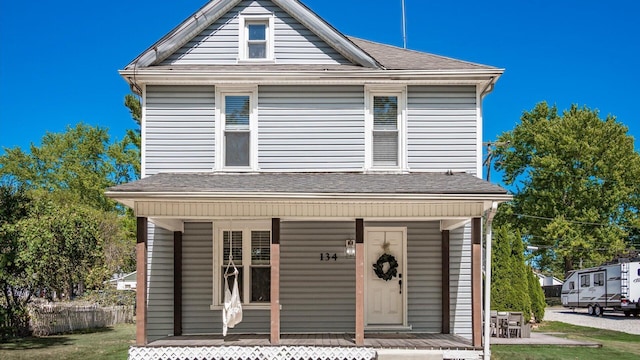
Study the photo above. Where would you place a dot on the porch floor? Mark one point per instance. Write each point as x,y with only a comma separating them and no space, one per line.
375,340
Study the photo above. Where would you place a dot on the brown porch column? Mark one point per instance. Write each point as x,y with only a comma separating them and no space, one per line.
275,281
476,281
359,282
141,282
177,283
446,291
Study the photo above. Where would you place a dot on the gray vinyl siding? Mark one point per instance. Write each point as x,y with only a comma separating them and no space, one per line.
316,296
218,44
460,281
442,128
179,129
160,282
311,289
197,287
311,128
424,273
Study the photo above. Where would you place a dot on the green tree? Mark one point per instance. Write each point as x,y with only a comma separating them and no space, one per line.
15,284
74,164
509,278
576,185
537,296
60,245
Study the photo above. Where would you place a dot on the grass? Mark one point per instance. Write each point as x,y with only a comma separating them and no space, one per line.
615,345
108,344
113,343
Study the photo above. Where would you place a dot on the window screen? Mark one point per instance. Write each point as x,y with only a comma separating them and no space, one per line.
385,130
257,41
237,132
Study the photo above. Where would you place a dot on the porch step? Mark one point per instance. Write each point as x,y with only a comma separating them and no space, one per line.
395,354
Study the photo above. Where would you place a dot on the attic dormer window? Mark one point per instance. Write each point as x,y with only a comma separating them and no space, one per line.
256,38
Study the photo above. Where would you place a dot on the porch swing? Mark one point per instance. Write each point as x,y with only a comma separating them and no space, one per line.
232,310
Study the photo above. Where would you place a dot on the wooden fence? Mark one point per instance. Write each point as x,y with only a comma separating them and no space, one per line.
48,319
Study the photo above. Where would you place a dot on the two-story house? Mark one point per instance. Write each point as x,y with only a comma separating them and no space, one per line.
342,175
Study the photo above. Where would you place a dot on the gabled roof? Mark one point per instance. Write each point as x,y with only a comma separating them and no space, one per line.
213,10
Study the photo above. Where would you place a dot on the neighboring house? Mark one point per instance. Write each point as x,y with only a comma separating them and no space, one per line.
125,281
319,156
548,280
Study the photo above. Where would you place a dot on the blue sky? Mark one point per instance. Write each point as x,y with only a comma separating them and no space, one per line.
59,59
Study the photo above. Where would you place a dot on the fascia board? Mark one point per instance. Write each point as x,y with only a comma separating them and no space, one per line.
202,76
181,34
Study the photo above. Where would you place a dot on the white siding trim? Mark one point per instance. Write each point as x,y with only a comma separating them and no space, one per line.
389,90
246,226
479,132
221,92
143,133
243,37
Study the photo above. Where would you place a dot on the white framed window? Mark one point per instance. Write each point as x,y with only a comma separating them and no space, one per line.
385,129
256,38
236,129
250,245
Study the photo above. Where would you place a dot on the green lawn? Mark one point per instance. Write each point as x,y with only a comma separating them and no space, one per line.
113,343
108,344
615,345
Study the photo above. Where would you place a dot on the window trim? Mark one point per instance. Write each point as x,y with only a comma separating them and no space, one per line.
218,230
220,127
401,93
243,37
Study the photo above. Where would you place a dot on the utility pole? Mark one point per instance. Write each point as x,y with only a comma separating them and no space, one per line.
491,149
404,26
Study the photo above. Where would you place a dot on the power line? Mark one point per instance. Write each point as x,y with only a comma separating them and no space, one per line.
575,221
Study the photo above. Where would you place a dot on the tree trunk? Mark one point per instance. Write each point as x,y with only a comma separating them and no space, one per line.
568,265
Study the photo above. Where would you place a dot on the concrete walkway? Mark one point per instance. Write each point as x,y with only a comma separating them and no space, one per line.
543,339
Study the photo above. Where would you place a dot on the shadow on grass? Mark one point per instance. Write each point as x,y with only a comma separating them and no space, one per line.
43,342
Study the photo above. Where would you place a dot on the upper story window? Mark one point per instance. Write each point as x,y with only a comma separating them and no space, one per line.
385,135
256,38
237,136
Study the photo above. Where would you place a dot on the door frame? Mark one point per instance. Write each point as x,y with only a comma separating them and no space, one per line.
402,270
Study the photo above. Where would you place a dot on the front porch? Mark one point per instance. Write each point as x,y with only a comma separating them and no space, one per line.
308,346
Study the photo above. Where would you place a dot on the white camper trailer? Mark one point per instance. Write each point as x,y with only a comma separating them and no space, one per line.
608,287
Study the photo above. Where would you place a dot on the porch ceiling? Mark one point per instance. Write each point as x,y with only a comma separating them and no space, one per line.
309,195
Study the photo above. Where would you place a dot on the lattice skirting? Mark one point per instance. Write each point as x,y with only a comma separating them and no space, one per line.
251,353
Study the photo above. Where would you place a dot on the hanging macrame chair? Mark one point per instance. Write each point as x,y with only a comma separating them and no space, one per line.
232,310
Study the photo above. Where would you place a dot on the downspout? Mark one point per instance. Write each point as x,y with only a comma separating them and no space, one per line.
489,88
487,281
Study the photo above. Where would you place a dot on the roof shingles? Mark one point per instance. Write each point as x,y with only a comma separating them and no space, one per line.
312,183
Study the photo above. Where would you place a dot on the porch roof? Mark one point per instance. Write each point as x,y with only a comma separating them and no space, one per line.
423,183
171,198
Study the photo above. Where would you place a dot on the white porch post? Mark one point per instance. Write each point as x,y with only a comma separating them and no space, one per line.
487,283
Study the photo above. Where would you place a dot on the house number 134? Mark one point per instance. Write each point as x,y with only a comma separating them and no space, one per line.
327,257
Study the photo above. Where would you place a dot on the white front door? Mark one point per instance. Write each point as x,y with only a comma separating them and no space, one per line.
385,299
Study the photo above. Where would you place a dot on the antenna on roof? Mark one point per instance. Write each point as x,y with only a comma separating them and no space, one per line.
404,27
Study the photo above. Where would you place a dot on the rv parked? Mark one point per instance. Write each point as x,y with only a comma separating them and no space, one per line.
614,287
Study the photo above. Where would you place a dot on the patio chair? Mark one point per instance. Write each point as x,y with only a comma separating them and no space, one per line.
514,324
